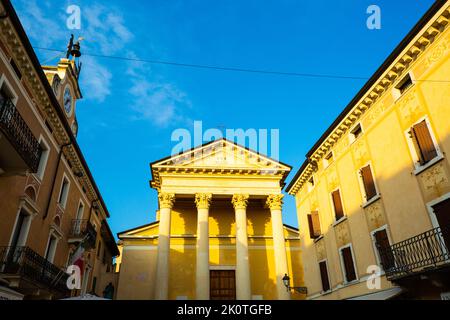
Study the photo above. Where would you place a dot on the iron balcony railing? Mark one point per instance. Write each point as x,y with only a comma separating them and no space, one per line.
26,263
19,134
83,229
425,251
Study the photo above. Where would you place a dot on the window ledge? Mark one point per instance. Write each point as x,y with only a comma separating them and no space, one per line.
339,221
428,164
372,200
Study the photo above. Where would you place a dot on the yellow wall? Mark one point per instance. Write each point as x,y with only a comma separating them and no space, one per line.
403,194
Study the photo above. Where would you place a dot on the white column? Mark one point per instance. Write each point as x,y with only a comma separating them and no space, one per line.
203,201
275,202
162,264
243,284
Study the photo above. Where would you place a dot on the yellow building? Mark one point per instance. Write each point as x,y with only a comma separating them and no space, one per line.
219,231
375,189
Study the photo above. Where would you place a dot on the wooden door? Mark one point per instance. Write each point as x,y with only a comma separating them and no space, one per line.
223,285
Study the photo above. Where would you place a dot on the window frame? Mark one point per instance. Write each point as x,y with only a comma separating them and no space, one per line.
344,271
344,216
43,161
326,162
396,91
412,148
4,82
352,136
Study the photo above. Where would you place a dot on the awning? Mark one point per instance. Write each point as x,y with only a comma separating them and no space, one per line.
8,294
380,295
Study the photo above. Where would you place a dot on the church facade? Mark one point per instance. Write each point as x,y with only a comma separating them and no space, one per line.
218,233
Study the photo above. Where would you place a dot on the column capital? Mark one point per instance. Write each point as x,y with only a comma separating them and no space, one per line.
166,200
203,200
240,201
275,201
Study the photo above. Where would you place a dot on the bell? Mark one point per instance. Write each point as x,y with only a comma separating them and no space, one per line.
75,51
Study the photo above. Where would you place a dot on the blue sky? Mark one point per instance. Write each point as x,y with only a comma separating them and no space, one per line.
130,109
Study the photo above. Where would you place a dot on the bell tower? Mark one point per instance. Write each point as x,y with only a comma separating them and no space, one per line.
63,79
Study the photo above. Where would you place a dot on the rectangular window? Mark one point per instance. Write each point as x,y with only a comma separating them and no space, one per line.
348,264
314,225
404,84
310,183
368,182
328,159
63,194
356,132
423,142
324,276
45,151
337,204
385,255
80,211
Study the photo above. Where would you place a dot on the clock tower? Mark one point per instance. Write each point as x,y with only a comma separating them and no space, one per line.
63,79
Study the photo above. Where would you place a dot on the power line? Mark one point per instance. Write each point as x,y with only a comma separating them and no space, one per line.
221,68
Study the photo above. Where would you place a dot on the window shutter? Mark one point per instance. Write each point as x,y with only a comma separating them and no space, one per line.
383,247
310,225
314,225
425,144
350,273
324,276
369,184
338,210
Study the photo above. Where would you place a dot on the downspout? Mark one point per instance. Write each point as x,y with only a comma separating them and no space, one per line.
54,179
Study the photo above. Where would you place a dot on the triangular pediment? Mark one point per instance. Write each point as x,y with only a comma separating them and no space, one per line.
221,154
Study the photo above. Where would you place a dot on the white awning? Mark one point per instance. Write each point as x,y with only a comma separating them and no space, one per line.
380,295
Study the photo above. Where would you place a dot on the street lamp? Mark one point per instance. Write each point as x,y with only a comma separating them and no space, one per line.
286,282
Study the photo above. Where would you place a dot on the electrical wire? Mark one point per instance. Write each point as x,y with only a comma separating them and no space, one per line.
222,68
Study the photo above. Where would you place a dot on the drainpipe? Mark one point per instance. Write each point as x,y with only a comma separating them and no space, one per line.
54,179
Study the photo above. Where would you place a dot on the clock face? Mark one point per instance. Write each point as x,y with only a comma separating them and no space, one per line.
56,85
67,100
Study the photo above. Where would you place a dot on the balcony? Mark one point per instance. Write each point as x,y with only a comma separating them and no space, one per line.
19,149
82,230
424,252
25,269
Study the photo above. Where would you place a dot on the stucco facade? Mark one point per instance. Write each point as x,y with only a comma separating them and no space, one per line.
377,132
221,219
